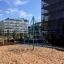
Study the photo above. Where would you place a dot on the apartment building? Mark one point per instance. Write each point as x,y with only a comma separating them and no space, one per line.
14,25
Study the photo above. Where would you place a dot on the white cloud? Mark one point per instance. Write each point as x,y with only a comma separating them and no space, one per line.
20,2
11,10
17,2
24,14
20,13
39,18
7,12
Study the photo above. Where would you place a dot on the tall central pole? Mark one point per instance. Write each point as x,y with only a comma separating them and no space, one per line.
33,32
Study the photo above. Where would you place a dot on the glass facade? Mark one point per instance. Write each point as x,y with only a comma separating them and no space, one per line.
53,12
55,9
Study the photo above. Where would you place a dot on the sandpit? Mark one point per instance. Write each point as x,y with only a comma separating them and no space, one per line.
23,54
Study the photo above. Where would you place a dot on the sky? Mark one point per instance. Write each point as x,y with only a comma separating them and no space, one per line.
20,9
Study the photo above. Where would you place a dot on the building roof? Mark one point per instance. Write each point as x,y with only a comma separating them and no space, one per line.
22,19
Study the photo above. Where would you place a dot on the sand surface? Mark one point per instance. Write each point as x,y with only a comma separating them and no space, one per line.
23,54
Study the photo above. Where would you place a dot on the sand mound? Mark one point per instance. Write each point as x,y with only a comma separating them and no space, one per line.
23,54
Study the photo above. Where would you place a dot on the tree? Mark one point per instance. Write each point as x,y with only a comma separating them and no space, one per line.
13,34
8,34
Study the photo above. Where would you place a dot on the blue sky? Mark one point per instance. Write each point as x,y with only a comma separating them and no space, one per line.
20,9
